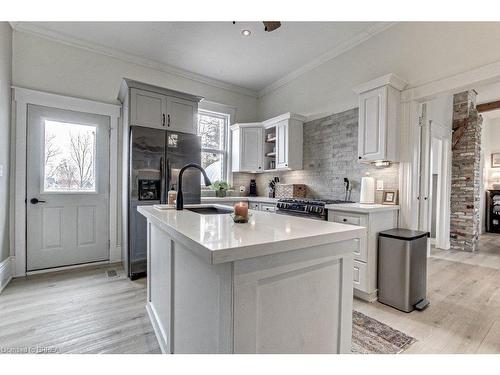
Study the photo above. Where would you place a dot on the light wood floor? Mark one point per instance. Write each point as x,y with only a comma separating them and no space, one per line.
77,311
82,311
464,315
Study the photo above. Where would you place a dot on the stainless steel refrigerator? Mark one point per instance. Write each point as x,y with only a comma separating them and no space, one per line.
156,156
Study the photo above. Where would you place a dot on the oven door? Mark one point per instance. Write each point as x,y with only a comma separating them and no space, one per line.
305,215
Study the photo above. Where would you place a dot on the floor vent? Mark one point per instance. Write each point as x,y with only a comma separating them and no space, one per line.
112,274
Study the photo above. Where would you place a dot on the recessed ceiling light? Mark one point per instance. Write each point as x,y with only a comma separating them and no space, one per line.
245,32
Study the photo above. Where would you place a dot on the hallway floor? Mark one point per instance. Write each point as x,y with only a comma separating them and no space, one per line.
464,314
490,243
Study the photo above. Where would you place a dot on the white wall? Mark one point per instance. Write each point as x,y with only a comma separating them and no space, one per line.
5,80
417,52
46,65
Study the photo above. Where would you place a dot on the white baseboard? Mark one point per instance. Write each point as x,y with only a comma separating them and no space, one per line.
6,272
159,332
369,297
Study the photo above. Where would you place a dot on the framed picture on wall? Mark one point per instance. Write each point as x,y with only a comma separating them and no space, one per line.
495,160
390,197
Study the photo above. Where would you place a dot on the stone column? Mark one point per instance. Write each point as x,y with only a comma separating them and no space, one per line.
465,182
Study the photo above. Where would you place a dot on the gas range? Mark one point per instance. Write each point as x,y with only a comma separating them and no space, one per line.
310,208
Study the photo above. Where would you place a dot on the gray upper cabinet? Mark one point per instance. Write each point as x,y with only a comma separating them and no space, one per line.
182,115
160,108
148,109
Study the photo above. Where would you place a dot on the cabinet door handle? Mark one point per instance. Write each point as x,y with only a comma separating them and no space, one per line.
163,121
344,220
168,120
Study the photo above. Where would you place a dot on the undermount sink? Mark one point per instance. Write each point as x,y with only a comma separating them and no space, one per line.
210,210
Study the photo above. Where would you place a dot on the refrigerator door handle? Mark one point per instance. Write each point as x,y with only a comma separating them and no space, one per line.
167,177
162,187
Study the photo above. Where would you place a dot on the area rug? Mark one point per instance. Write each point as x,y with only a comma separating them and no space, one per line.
369,336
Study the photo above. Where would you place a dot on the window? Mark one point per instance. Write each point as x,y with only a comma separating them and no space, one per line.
212,127
69,153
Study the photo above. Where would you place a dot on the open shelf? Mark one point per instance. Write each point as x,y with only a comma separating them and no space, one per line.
270,149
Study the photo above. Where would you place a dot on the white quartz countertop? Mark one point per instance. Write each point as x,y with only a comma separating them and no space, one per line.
363,208
239,199
218,239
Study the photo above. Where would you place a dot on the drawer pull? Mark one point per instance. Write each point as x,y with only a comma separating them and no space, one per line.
344,220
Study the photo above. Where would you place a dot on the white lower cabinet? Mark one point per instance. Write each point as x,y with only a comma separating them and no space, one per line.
254,206
366,253
267,207
359,275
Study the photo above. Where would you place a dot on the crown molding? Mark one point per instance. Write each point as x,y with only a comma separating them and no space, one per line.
29,28
350,43
340,49
284,116
390,79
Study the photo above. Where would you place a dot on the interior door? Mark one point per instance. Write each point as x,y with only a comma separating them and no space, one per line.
438,135
67,188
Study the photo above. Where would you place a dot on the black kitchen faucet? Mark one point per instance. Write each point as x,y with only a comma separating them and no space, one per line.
180,200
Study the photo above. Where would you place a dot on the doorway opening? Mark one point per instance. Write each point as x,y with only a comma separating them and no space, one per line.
489,107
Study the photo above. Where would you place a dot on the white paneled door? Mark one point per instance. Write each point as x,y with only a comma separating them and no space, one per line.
67,188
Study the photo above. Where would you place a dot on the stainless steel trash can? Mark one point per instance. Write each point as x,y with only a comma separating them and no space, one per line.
402,269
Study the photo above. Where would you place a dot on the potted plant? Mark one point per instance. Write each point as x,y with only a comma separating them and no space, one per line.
221,188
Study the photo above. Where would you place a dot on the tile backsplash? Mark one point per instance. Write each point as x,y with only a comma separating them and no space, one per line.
330,154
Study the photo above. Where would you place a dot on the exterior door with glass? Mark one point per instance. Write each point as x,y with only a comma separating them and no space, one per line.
67,188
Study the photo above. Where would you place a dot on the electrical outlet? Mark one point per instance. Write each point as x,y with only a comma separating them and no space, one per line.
380,184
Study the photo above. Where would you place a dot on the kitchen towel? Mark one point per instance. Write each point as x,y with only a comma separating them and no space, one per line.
367,194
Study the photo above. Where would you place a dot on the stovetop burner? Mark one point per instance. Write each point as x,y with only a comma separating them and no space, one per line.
313,201
313,208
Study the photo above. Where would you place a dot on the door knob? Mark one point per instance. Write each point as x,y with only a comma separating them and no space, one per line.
35,201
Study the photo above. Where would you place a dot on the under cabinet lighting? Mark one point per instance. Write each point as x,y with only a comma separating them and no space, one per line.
246,32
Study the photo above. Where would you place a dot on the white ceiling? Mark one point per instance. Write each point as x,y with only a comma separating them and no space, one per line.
217,50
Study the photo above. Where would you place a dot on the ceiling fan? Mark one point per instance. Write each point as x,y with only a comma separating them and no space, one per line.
269,25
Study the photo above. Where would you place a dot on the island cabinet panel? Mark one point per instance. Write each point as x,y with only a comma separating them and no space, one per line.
295,302
202,314
159,284
297,299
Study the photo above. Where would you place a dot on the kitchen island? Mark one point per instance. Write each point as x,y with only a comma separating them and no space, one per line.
278,284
